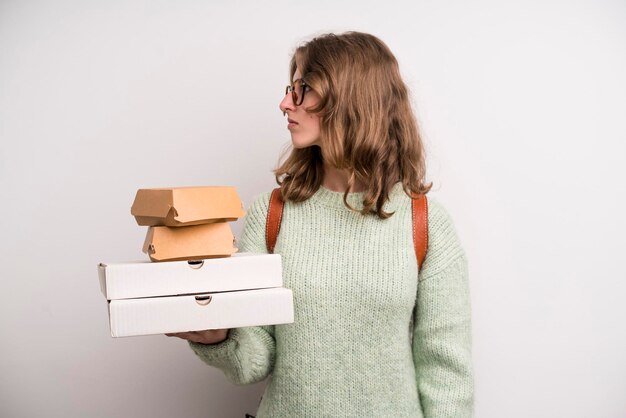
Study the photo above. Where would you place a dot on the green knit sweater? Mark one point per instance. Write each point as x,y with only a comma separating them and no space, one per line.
354,349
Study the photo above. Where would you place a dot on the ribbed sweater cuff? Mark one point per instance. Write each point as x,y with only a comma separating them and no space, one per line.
218,355
246,356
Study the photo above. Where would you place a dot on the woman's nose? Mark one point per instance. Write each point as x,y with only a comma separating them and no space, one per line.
286,104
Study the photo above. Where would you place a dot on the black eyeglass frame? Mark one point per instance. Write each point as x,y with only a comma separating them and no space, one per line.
297,99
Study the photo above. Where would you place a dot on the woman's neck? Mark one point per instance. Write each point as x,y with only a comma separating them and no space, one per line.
337,180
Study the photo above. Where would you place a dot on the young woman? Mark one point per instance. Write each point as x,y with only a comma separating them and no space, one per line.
373,336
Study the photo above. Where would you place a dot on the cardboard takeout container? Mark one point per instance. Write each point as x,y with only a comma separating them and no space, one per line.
145,279
194,242
184,206
154,298
144,316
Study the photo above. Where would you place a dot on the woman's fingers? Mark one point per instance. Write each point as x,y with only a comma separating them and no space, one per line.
209,336
177,334
189,335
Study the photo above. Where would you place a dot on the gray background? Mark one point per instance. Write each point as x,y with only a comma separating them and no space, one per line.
522,106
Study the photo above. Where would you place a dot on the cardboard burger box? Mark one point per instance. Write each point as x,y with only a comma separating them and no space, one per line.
156,298
194,242
188,223
185,206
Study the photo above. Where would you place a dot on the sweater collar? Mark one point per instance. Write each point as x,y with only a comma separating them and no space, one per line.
327,197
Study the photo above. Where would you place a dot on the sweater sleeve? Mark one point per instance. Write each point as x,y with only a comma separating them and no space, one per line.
442,328
247,355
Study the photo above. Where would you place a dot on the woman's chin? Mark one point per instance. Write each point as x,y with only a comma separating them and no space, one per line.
299,145
302,144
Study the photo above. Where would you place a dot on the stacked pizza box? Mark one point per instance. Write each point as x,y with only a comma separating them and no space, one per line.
196,279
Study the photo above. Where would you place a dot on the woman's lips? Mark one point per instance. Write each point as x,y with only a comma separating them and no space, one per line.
291,124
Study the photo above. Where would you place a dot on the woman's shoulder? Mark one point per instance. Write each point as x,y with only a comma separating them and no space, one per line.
439,218
259,204
444,245
253,234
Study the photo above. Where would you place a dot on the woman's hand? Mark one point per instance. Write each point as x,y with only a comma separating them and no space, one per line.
208,336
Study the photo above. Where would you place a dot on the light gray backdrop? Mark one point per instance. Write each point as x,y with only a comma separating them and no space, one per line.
522,105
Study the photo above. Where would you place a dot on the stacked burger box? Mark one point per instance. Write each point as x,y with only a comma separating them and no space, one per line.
196,279
187,223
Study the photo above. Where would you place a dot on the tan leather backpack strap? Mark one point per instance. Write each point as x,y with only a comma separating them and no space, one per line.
274,217
419,205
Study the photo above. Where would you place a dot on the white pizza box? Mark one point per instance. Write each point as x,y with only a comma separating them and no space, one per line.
142,279
159,315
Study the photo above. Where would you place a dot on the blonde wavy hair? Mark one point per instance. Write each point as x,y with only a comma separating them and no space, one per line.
367,125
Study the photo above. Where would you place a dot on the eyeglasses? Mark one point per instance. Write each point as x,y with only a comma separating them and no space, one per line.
297,89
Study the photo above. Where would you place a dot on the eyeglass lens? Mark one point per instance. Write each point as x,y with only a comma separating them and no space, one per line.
297,92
